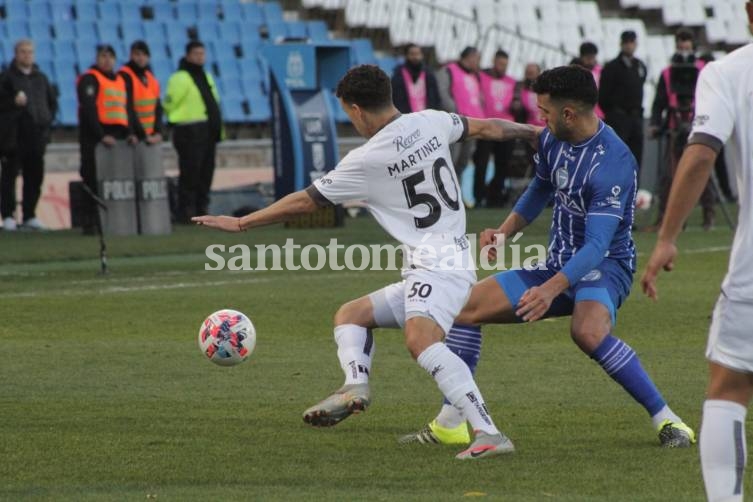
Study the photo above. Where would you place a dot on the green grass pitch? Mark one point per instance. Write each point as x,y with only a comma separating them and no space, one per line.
104,394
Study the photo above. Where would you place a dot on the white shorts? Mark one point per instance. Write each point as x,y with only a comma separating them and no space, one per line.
423,293
731,335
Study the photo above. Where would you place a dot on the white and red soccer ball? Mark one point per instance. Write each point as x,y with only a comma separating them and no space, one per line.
227,337
643,199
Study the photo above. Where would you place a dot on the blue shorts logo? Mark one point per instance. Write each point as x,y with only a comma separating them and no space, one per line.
593,275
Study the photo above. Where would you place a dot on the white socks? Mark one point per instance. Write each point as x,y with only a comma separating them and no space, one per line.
665,414
355,347
723,451
449,417
456,383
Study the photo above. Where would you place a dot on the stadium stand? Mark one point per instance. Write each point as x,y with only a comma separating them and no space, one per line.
544,31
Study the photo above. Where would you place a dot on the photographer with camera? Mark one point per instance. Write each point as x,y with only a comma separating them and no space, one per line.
672,117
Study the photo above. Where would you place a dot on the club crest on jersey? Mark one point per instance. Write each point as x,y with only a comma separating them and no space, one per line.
561,177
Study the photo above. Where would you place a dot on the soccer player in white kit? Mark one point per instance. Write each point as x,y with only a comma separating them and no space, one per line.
404,174
724,117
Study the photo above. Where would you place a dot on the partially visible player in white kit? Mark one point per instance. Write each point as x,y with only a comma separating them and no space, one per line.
724,117
404,174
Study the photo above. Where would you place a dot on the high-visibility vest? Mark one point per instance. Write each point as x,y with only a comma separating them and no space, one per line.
466,91
498,95
111,100
145,98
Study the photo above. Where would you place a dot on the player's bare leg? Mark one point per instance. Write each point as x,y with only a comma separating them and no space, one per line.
590,330
355,348
722,444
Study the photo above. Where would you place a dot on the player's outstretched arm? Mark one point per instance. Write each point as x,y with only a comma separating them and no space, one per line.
502,130
289,206
692,176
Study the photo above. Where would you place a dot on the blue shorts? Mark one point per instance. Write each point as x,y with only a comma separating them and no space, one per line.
608,284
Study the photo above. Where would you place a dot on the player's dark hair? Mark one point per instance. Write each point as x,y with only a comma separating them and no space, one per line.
193,44
501,54
366,86
684,35
572,83
588,49
409,47
468,51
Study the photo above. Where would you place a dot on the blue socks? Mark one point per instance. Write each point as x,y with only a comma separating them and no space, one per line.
621,363
465,342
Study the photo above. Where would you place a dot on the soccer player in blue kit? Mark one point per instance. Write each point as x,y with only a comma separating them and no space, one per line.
592,176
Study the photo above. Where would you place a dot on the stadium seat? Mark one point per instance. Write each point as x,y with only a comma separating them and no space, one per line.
231,10
16,10
86,31
250,44
66,75
40,30
296,29
107,30
277,31
61,11
252,87
154,32
272,12
187,12
231,86
252,13
232,110
177,49
130,12
224,49
317,31
208,11
233,31
260,109
228,66
63,30
16,29
86,53
162,70
132,31
362,51
208,29
164,12
39,11
387,64
86,10
176,31
43,49
68,112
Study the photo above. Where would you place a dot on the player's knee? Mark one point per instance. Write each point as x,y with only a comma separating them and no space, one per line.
352,312
469,316
587,334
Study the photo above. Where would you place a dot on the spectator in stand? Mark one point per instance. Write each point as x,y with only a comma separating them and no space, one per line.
28,105
460,92
525,107
192,104
621,94
588,53
414,86
143,90
102,118
498,92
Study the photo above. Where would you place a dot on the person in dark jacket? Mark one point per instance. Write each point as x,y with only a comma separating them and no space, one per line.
28,104
192,104
621,94
414,86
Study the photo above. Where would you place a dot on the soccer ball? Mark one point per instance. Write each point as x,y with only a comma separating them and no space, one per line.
227,337
643,199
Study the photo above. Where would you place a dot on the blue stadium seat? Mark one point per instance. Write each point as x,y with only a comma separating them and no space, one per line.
109,11
154,32
252,13
187,12
387,64
232,31
3,52
231,87
65,73
317,31
231,10
228,66
43,49
86,52
122,51
61,11
208,11
45,66
252,88
162,70
40,30
63,30
159,52
223,49
86,10
209,30
296,29
232,110
277,30
176,32
86,31
63,49
68,112
107,30
16,29
272,12
177,50
39,11
250,44
362,52
163,11
260,109
132,30
130,12
16,10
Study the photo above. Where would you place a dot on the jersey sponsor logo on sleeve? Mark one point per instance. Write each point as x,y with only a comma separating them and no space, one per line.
405,142
455,119
700,120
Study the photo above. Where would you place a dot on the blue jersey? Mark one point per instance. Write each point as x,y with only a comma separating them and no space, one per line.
598,179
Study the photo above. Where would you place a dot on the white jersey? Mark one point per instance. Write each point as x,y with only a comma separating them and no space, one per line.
724,116
405,175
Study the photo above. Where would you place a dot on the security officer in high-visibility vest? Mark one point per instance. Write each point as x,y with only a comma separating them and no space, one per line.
192,107
143,92
102,111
